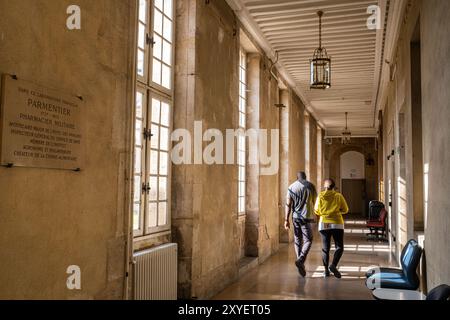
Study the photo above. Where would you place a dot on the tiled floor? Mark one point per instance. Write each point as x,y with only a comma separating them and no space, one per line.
278,278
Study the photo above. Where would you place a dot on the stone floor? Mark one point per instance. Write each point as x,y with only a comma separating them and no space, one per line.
278,278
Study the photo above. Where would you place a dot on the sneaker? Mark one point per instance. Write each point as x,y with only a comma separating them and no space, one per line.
300,267
326,274
335,271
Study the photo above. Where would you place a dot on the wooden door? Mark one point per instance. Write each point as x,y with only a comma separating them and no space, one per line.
354,192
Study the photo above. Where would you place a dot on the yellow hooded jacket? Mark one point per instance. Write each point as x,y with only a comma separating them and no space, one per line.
330,206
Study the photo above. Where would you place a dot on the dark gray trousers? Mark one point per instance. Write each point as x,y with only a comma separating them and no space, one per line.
303,237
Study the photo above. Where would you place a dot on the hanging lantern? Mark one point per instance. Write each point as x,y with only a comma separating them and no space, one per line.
320,63
346,134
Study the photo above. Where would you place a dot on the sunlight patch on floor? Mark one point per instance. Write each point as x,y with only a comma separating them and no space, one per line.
355,222
348,272
366,248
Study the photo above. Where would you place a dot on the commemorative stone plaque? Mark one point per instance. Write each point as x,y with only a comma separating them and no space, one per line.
40,127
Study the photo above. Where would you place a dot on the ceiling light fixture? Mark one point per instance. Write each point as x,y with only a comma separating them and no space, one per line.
320,63
346,134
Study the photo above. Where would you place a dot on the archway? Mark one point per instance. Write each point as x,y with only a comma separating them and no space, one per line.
366,148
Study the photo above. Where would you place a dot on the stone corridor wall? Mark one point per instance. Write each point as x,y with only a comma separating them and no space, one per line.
434,34
205,222
51,219
436,136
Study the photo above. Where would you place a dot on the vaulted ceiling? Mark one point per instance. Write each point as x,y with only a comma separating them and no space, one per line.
290,27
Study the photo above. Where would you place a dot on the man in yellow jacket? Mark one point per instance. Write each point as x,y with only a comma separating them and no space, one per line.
330,206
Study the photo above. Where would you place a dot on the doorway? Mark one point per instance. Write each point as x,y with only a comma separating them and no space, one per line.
353,182
354,191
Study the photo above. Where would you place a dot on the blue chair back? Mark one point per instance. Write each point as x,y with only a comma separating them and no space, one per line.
410,260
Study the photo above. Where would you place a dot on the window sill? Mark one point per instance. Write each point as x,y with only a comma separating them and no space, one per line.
151,240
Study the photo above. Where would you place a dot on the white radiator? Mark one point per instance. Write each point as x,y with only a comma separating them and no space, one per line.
155,273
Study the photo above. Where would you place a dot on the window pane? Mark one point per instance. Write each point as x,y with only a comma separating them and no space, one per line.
168,8
167,53
139,101
162,214
162,188
138,133
241,140
164,139
166,76
158,22
152,214
159,4
156,77
137,188
242,188
165,114
241,120
137,160
153,162
153,189
241,156
167,29
156,107
241,173
141,36
157,47
242,75
242,92
143,10
155,137
140,62
163,158
242,204
241,104
136,216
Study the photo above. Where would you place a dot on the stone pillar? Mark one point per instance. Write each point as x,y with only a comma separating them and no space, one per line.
183,176
312,176
319,158
284,160
307,146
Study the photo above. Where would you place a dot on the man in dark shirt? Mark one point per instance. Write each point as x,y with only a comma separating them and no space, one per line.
300,199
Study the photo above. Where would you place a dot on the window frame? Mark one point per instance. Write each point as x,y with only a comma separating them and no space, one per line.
151,90
167,226
144,78
151,33
241,135
140,232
